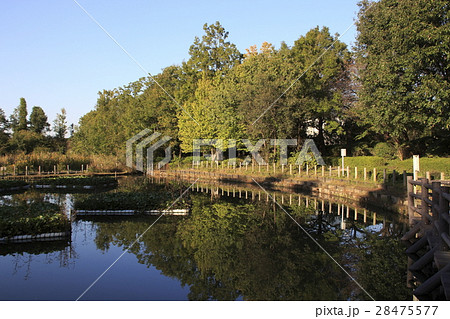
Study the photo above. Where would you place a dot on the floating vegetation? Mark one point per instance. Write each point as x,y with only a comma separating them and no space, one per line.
79,181
32,218
147,198
11,184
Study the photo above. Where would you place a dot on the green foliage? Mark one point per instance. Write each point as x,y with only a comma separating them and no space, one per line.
383,258
5,184
38,120
26,141
60,124
213,53
77,181
384,150
402,48
31,218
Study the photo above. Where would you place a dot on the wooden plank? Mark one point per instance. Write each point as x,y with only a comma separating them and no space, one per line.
431,283
442,259
446,196
445,279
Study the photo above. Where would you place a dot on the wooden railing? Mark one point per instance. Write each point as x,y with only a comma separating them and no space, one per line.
429,237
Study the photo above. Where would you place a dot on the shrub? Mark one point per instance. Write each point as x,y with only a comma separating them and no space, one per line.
384,150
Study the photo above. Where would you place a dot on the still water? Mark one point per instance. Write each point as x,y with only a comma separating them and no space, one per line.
235,244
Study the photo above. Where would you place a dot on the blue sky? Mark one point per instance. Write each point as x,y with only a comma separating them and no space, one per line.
54,56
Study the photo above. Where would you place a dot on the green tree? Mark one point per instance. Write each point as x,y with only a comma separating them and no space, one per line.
4,136
403,47
38,120
60,124
318,97
26,141
18,120
213,53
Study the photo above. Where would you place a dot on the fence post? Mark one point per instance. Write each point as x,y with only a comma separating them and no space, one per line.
323,171
384,176
409,191
356,172
330,171
339,171
307,170
374,174
54,169
282,168
348,172
424,197
299,170
428,176
274,169
315,170
68,169
290,169
14,167
365,173
26,170
442,176
39,170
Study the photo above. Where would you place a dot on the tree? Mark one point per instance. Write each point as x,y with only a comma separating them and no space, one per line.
403,47
319,98
19,117
38,120
60,124
3,132
213,53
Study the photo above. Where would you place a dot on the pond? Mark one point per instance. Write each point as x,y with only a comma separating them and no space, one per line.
238,242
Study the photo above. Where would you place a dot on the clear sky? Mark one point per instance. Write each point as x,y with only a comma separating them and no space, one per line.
54,56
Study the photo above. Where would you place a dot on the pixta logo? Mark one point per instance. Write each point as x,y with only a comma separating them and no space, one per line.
141,142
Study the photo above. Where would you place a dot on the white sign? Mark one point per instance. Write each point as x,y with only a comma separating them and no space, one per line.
343,152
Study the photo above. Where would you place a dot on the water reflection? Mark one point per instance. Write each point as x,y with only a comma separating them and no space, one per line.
238,244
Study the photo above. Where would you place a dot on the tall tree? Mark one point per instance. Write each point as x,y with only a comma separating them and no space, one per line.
38,120
213,53
60,124
404,48
318,96
19,117
3,132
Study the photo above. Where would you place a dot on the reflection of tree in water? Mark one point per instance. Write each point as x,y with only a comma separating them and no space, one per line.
24,254
226,249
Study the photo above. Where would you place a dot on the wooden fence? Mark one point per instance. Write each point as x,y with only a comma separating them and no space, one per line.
429,238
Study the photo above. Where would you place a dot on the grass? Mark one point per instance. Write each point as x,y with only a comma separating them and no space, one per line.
32,219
